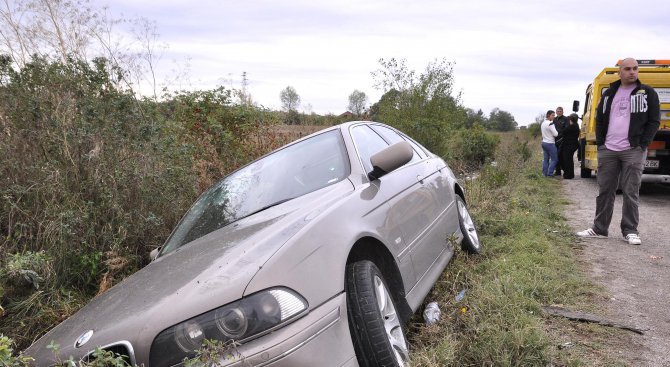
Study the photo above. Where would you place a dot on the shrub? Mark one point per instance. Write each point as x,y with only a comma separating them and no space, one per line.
93,178
522,149
7,357
27,270
472,147
534,130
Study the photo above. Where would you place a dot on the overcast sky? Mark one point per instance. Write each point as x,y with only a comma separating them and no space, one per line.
524,57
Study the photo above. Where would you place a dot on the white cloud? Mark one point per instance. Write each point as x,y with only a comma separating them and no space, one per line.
523,57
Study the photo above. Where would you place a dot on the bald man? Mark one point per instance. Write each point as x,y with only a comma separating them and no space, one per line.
627,119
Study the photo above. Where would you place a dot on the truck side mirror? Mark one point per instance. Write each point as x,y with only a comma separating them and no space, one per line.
575,106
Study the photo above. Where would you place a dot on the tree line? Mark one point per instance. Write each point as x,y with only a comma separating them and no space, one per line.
497,120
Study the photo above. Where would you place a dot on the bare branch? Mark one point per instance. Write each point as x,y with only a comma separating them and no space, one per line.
53,16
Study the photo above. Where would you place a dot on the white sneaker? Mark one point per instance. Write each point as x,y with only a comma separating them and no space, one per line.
633,239
589,233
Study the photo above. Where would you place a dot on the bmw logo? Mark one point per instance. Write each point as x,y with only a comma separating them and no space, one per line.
85,337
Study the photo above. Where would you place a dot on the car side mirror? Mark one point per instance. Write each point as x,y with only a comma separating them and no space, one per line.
575,106
389,159
154,253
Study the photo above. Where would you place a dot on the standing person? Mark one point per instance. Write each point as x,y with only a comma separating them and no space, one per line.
560,122
549,134
569,145
627,118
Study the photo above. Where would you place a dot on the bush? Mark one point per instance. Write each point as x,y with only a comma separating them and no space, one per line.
522,149
26,271
534,129
472,147
7,358
93,178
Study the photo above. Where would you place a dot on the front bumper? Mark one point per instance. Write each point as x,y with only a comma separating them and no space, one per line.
320,338
651,178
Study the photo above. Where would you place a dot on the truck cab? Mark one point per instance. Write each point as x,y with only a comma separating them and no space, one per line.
655,73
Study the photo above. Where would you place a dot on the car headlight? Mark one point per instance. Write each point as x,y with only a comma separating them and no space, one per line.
249,317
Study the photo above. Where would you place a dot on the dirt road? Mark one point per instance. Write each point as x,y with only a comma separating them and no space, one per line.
637,277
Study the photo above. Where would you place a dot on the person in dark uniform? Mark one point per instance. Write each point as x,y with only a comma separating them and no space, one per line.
559,122
569,145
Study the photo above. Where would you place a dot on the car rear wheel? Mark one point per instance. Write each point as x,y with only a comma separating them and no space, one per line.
374,322
470,243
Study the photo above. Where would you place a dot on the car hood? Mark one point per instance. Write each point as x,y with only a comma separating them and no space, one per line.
208,273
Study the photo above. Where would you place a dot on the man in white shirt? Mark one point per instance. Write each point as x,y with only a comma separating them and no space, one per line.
549,134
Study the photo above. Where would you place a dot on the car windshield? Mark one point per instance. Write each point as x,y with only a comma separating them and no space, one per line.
293,171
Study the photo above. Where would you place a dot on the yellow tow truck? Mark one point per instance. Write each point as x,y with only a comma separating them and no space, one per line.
655,73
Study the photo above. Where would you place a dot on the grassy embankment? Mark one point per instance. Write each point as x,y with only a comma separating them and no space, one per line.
529,259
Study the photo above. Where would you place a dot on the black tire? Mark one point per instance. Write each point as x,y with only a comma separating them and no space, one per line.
470,242
584,172
375,325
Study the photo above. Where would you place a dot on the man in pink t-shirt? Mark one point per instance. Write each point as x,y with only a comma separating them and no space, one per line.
627,119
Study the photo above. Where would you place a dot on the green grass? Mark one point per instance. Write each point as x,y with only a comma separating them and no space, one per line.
529,259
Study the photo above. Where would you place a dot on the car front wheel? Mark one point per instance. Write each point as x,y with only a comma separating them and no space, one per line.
374,322
470,243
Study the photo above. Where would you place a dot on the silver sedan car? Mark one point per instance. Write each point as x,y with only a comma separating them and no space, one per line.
316,254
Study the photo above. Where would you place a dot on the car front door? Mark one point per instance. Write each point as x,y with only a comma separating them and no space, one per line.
421,207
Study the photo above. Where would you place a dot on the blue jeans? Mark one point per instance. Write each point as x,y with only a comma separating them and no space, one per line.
550,158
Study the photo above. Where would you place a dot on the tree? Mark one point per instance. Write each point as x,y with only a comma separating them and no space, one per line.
534,128
357,102
290,99
387,100
60,30
501,120
423,105
473,118
146,34
57,29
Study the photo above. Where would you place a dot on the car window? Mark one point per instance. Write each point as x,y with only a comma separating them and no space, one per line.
423,152
589,99
368,143
293,171
393,137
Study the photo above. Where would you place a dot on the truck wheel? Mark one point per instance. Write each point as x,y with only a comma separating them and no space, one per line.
585,172
581,151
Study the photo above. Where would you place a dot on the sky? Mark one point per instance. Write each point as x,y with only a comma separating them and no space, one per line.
524,57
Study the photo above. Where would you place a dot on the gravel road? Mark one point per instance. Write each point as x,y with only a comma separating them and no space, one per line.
637,277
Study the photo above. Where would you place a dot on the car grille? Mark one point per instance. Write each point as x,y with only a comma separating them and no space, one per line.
123,349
